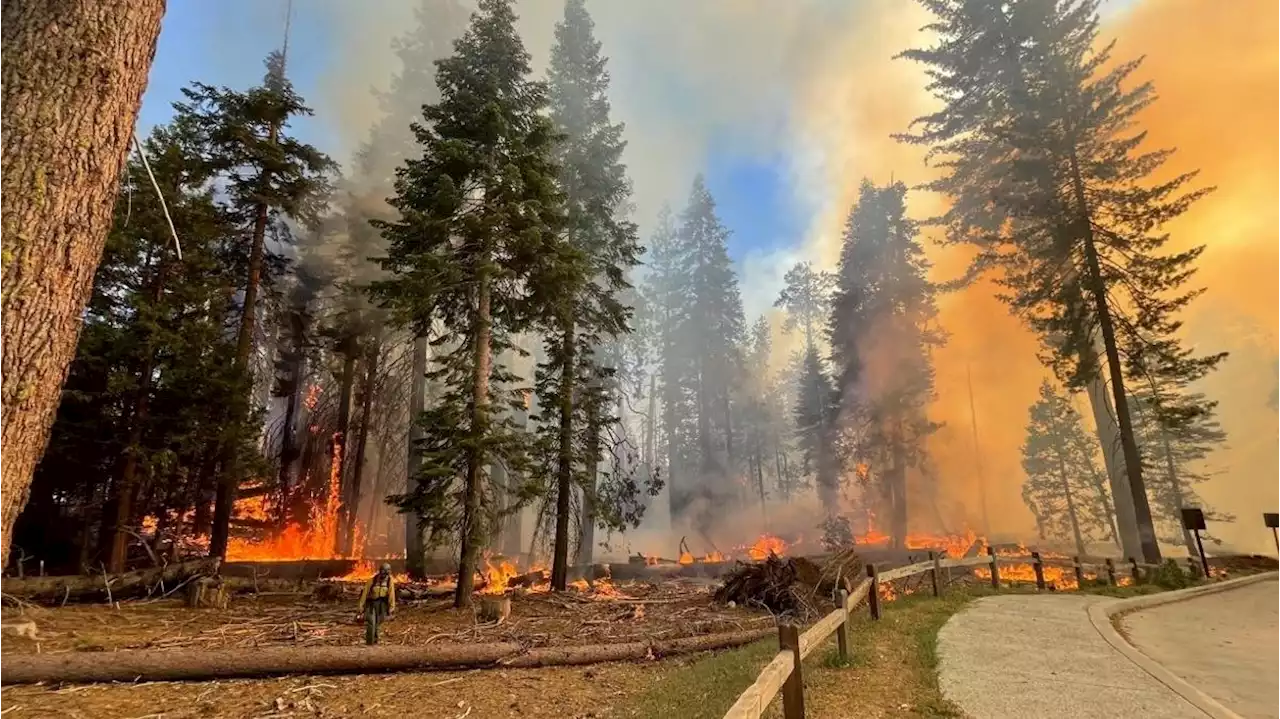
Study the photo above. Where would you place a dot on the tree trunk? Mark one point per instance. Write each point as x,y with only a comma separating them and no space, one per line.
564,474
587,539
472,521
898,495
73,78
1175,491
513,526
1120,504
362,443
415,549
288,441
1071,505
1129,446
338,450
229,481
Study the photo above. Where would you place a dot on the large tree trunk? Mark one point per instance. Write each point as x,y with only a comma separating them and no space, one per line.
73,78
288,436
414,547
362,443
1128,444
472,519
229,481
338,451
564,474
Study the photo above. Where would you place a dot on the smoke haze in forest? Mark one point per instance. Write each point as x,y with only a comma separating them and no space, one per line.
814,82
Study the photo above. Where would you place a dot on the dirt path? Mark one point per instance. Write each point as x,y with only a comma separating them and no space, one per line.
1224,644
1009,657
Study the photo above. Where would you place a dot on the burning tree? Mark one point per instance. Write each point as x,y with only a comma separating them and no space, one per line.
882,329
1064,487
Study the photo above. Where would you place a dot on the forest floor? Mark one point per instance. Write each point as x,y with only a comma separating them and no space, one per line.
626,612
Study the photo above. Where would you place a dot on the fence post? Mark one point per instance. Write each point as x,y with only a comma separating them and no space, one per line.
1137,572
1079,570
1038,565
873,596
933,573
1111,572
842,631
995,568
793,687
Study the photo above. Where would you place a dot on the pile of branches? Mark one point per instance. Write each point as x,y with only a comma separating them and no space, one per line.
794,587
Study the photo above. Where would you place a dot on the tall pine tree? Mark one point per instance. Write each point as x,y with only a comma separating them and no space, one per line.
480,214
1048,178
584,287
882,328
1061,466
270,178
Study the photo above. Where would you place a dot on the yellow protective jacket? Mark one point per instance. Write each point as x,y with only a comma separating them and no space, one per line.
370,592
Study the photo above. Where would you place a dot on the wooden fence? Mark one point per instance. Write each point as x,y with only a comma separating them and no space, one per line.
783,673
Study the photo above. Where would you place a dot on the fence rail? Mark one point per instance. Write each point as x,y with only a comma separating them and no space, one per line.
785,672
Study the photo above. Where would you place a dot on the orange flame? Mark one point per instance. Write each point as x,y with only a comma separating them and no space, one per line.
497,576
767,544
686,558
714,557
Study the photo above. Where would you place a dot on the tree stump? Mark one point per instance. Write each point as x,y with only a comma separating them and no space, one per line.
494,609
207,593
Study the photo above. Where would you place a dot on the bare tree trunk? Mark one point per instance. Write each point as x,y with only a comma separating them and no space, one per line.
513,527
564,475
339,449
73,77
1128,445
415,550
1071,505
362,443
472,519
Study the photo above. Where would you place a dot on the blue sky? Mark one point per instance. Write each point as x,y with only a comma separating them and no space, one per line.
225,43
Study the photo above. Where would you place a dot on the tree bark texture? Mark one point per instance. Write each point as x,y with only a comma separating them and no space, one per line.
472,521
1128,444
564,475
415,549
73,78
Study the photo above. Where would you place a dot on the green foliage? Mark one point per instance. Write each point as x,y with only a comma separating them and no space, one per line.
479,217
1171,575
883,316
1064,487
806,297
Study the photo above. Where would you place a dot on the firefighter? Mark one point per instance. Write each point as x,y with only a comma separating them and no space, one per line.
377,602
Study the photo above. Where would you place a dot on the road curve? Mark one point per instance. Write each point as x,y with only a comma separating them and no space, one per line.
1224,644
1014,656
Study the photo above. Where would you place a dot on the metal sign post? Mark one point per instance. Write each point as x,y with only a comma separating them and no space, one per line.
1193,520
1272,520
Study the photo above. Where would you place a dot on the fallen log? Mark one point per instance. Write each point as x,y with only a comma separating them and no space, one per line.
187,664
81,587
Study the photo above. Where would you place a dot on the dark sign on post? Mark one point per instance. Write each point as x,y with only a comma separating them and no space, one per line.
1193,518
1272,519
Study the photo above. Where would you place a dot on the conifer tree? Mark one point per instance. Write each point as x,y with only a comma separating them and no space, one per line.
269,177
584,285
814,414
668,292
1060,464
479,214
883,311
1048,178
714,331
152,367
806,297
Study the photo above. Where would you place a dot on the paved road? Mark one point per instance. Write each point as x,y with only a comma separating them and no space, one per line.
1224,644
1015,656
